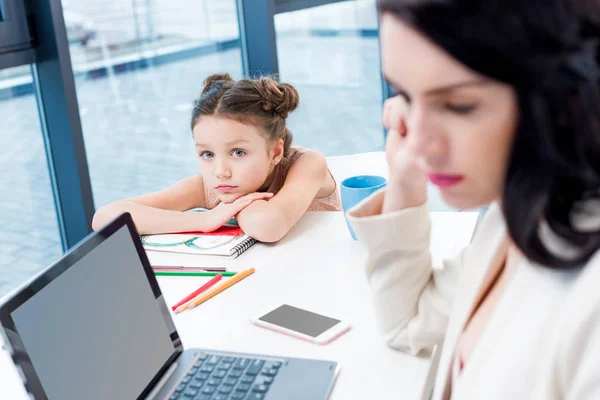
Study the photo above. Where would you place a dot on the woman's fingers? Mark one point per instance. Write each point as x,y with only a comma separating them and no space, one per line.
385,116
394,115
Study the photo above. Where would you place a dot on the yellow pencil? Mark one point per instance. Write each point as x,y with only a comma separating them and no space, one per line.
205,296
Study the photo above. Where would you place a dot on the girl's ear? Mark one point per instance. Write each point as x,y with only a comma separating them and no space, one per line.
277,153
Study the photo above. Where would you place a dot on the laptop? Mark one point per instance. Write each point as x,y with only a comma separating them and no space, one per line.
95,326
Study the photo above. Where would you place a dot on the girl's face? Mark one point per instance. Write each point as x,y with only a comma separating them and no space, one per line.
460,124
235,159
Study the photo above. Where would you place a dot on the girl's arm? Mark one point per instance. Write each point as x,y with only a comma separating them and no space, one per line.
162,211
269,221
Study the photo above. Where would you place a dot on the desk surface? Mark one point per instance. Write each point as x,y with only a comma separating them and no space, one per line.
317,266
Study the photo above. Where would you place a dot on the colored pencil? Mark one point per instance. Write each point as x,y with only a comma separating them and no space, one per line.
182,268
193,273
205,296
195,293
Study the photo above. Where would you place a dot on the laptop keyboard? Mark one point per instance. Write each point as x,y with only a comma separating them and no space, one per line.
214,377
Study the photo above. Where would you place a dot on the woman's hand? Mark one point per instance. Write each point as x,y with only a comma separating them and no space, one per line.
407,184
223,212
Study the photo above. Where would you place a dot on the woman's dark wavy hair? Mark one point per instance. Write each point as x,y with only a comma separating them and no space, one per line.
548,51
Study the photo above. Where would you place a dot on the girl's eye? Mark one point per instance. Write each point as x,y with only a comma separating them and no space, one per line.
207,155
462,109
238,153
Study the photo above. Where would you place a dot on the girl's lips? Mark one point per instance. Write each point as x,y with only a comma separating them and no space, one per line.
225,188
445,181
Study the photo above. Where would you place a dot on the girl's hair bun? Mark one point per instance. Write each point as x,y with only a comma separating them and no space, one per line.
278,98
213,79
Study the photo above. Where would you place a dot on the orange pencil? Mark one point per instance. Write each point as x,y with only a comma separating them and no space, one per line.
195,293
205,296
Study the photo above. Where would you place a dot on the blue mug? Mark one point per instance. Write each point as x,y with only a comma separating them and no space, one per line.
356,188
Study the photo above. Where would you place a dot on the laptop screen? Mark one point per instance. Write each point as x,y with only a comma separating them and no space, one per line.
96,331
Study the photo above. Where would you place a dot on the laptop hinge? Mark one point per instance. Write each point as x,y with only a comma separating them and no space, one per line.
159,385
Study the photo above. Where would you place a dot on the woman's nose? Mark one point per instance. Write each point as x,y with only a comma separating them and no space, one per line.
424,138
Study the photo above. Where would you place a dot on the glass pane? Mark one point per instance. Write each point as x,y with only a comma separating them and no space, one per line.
28,228
331,54
138,67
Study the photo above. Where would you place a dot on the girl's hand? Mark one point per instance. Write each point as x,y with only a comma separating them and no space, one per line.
223,212
407,186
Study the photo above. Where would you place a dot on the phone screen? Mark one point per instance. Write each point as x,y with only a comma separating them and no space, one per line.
299,320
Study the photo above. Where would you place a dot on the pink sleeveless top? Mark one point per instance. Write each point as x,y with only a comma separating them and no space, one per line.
330,202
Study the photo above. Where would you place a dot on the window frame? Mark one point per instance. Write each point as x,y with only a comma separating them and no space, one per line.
15,34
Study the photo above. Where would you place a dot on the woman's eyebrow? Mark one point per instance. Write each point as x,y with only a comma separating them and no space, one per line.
444,89
455,86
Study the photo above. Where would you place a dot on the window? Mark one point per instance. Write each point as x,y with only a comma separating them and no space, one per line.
331,54
29,229
138,67
14,31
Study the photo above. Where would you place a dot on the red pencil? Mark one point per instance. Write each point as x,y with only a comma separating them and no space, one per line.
202,288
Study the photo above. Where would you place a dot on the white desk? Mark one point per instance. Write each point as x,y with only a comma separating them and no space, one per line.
318,267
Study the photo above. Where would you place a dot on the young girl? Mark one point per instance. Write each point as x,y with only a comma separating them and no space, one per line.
248,168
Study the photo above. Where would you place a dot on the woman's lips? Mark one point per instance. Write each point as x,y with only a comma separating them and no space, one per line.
225,188
445,181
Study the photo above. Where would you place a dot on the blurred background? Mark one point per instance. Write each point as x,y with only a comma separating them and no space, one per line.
137,66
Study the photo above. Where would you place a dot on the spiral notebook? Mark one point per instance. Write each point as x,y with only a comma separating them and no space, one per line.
225,242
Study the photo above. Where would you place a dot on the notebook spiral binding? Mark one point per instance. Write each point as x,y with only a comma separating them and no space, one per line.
245,245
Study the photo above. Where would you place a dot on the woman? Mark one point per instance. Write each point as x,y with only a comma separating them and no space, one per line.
498,103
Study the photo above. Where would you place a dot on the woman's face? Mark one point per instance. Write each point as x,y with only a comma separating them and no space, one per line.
460,124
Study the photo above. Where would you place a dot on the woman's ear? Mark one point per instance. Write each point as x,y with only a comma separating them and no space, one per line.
277,153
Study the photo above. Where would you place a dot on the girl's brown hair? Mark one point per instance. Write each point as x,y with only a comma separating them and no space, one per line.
262,102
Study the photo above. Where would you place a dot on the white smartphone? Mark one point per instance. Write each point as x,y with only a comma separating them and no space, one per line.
301,324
